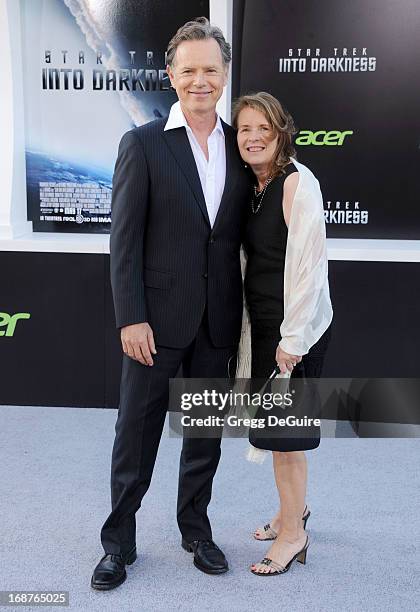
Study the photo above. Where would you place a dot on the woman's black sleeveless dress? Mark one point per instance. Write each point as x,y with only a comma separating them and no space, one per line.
265,244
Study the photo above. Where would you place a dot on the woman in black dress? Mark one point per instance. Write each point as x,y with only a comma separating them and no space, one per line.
287,298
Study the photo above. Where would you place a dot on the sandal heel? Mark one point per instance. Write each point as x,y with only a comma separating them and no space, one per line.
302,556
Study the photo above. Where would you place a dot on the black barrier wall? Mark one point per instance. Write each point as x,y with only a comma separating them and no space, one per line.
67,353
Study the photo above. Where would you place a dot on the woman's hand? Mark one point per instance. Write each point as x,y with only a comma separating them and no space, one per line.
286,361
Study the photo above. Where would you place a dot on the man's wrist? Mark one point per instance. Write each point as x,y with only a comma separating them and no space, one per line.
130,322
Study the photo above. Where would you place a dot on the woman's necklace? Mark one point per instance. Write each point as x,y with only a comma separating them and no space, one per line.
259,196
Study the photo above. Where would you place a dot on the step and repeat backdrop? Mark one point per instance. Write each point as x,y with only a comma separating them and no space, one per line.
348,73
92,71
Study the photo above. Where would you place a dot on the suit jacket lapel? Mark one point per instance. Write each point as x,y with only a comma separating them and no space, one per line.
231,172
179,145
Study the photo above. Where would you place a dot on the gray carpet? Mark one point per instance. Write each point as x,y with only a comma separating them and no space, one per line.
364,496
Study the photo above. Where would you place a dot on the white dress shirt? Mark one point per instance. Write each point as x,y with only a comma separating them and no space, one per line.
212,173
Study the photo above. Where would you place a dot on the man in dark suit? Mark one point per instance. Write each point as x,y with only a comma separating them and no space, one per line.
179,204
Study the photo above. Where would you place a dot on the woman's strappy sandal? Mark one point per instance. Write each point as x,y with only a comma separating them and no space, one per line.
280,569
270,534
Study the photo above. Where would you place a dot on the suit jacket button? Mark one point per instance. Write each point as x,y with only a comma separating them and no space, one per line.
205,275
211,240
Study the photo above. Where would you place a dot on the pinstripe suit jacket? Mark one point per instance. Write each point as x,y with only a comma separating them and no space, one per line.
167,262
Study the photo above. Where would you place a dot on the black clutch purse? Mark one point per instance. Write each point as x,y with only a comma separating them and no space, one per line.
282,426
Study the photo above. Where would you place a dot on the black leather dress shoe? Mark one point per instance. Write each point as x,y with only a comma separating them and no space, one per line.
110,571
207,556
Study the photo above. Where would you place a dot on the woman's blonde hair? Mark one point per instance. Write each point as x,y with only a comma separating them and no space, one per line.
280,121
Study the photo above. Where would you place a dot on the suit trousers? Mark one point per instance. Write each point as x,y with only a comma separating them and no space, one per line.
144,395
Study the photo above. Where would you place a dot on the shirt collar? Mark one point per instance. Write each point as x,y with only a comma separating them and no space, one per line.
177,119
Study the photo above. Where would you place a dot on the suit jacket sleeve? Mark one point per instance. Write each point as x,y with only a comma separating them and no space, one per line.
130,194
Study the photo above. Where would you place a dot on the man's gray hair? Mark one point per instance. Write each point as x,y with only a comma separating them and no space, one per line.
198,29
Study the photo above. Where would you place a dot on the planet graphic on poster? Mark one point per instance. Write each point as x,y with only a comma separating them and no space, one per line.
46,172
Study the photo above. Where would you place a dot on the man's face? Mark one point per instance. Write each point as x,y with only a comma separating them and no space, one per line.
198,75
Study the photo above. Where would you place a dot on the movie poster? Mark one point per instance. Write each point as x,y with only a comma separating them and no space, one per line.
348,72
93,69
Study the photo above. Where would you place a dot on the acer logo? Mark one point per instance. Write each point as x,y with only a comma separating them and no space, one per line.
333,138
9,322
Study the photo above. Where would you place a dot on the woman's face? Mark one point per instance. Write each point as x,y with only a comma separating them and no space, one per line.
257,140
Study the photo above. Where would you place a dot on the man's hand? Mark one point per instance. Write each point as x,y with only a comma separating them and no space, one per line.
286,361
138,342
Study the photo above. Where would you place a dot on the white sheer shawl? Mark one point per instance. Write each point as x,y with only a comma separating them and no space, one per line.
307,304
